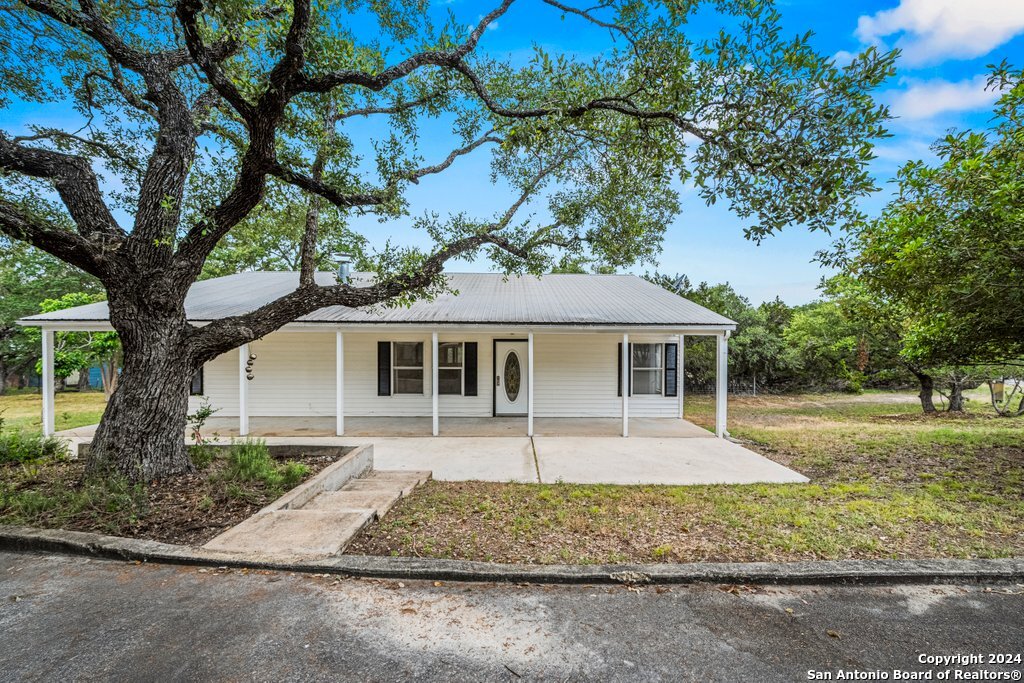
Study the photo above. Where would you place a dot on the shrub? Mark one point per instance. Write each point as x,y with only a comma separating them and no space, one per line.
24,447
250,460
201,455
292,473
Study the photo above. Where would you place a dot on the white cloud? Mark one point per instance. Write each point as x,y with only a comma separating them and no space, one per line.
932,31
927,99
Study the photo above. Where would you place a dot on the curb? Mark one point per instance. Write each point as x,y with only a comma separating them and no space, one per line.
1007,570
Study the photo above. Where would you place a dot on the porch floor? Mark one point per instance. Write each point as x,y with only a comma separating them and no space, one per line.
458,426
571,450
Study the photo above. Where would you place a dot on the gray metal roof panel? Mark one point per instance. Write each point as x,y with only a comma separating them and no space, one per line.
478,298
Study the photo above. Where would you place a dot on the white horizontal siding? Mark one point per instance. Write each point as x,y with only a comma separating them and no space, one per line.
575,376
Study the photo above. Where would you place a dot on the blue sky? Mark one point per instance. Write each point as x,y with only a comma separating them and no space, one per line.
939,85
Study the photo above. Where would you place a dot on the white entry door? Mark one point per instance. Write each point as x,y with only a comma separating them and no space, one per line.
510,377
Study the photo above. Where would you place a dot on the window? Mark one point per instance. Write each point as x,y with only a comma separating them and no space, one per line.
647,368
196,388
408,367
450,363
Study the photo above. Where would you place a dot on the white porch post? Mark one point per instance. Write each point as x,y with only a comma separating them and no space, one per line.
339,382
529,384
47,382
625,385
722,388
243,391
433,379
680,375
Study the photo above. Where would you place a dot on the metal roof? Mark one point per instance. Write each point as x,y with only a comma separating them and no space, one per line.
478,298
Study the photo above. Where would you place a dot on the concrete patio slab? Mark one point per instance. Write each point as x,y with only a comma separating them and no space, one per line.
459,458
638,460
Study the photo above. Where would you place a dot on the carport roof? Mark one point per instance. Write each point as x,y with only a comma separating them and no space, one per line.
478,299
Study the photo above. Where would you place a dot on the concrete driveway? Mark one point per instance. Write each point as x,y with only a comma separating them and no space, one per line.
67,619
581,460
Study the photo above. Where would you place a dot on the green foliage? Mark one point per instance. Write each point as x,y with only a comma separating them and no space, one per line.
28,276
750,116
17,446
829,344
75,351
948,250
197,420
96,497
250,461
201,455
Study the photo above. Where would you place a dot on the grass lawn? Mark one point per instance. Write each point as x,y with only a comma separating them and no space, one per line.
886,482
23,409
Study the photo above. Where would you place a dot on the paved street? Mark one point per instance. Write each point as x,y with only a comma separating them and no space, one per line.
73,618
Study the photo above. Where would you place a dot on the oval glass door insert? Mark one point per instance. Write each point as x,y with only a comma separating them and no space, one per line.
513,376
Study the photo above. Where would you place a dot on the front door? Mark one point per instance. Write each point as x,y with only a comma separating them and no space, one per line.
510,378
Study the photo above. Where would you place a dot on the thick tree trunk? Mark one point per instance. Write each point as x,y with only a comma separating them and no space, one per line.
83,380
927,390
142,433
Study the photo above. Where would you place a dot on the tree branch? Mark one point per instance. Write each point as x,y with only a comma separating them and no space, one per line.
65,245
72,177
376,82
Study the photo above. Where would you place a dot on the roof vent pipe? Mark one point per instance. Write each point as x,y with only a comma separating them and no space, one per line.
343,267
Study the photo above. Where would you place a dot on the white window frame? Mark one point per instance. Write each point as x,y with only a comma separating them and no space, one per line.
461,367
395,367
660,369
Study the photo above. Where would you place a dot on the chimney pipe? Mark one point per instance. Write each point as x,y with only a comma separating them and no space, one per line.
343,267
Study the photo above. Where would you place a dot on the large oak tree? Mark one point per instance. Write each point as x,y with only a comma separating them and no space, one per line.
195,110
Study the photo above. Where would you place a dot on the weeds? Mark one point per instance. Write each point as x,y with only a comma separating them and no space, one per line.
24,447
250,461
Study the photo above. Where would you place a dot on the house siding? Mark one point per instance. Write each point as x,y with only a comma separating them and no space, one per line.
575,376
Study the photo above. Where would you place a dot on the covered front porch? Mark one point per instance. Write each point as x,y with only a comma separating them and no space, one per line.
660,451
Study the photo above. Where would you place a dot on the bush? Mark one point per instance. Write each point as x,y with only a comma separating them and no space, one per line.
201,455
22,447
250,460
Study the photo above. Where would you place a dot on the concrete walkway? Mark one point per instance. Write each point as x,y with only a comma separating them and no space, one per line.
322,515
582,460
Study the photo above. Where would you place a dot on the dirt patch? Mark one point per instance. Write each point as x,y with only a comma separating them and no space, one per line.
189,510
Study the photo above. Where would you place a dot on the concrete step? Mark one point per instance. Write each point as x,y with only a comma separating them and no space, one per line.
378,501
294,532
388,480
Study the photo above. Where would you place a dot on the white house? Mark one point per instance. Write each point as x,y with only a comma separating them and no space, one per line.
553,346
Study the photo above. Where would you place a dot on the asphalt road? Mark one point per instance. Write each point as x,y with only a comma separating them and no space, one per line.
66,618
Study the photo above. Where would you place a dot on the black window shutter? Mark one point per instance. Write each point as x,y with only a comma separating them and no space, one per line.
671,369
383,368
619,365
469,357
618,375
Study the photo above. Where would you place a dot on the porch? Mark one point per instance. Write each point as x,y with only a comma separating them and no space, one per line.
662,451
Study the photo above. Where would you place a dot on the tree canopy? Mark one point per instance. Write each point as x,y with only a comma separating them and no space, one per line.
197,112
948,250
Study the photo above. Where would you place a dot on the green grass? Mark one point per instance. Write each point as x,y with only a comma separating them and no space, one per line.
23,410
887,482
